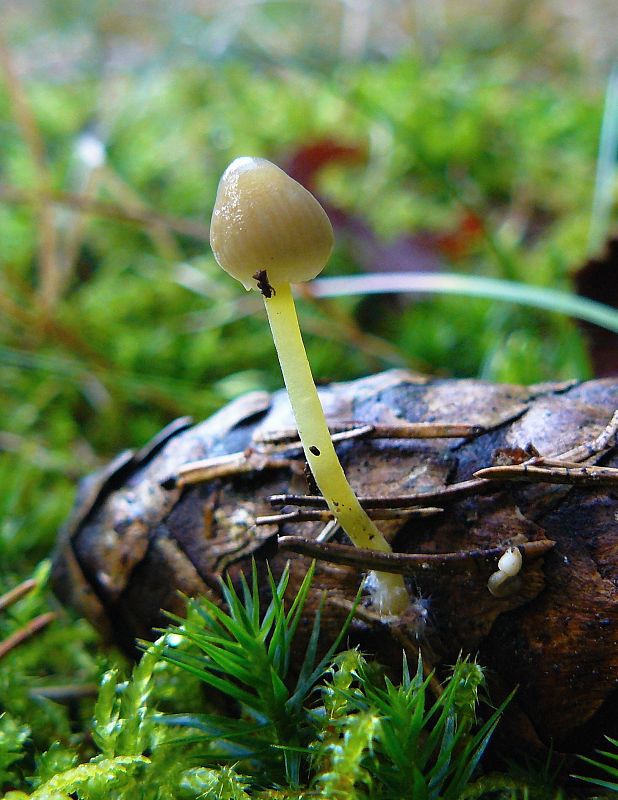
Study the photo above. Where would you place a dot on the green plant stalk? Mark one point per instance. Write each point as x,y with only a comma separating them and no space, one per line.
389,593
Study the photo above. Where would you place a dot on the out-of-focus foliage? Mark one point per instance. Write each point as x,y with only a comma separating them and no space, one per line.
127,345
146,327
354,735
471,150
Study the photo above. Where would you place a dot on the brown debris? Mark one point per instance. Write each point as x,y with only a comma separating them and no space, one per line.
133,543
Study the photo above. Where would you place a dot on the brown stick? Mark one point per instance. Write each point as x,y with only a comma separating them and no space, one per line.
326,516
449,494
224,466
286,441
15,594
34,626
402,563
360,430
529,473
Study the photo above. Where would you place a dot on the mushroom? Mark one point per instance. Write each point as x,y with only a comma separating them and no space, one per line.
267,231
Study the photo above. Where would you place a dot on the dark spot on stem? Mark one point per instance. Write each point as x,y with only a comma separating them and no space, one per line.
313,449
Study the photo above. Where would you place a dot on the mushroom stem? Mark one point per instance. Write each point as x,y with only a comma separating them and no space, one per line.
388,590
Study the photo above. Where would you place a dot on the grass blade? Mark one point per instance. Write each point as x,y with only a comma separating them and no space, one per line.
469,286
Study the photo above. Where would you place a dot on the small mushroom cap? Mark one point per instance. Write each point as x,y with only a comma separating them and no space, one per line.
265,220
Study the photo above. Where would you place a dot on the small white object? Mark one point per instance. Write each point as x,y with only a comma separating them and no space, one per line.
385,598
510,563
91,150
502,585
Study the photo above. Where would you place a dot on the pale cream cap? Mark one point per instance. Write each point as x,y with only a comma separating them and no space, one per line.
265,220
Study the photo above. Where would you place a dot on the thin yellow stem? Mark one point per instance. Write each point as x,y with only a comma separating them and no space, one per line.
389,590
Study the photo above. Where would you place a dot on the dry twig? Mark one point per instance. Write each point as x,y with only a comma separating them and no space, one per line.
15,594
319,515
34,626
402,563
361,430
